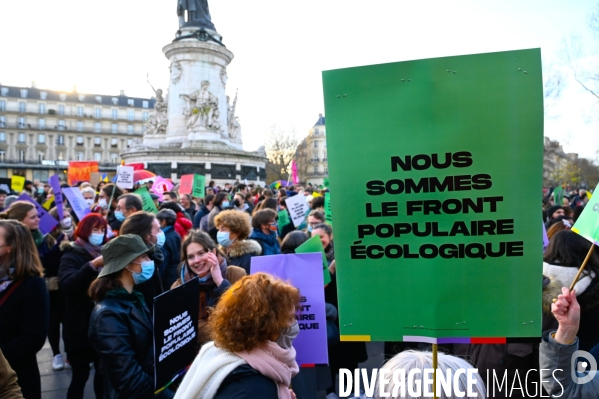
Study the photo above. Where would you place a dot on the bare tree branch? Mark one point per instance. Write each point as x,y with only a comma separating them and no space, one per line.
280,149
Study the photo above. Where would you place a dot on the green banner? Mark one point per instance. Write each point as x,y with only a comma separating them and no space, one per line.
199,186
283,220
587,224
558,195
431,241
327,209
146,200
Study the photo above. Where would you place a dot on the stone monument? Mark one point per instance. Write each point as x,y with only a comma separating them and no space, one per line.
193,129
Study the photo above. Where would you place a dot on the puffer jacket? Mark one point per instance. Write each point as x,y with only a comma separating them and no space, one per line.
241,252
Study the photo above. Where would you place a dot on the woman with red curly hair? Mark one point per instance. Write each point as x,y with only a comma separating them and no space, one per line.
251,357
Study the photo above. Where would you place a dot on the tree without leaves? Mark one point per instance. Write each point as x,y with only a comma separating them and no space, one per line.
280,149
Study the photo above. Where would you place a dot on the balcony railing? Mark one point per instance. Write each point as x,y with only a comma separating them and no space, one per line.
61,128
48,163
74,114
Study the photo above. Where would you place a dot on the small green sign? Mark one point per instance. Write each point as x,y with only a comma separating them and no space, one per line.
314,245
587,224
199,186
146,200
283,220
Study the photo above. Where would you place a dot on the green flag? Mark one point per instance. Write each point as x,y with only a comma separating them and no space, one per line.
587,224
430,241
199,186
146,200
314,245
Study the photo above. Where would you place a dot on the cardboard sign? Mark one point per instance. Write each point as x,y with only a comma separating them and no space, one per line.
5,184
146,200
17,183
124,177
297,207
161,186
95,178
47,222
433,214
315,245
199,186
283,220
587,224
175,331
186,184
76,201
303,272
80,171
54,182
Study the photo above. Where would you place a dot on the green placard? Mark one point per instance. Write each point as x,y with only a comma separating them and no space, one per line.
147,202
327,208
199,186
432,240
314,245
587,224
283,220
326,181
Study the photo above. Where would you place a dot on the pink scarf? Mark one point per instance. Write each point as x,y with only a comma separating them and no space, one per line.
274,362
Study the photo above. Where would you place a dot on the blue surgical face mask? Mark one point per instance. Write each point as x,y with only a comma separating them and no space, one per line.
147,270
119,216
224,239
225,204
310,228
160,238
96,239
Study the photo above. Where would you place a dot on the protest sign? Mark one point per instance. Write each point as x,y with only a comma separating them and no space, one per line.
124,177
186,184
47,222
303,272
432,213
558,195
95,178
283,220
297,207
175,331
315,245
327,209
17,183
326,181
199,186
146,200
80,171
47,204
545,238
5,184
76,201
55,184
587,224
161,186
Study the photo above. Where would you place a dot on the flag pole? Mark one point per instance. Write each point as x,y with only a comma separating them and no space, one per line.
584,263
435,352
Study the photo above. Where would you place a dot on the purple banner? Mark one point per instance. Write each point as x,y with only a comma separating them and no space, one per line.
303,271
47,222
76,201
55,184
545,238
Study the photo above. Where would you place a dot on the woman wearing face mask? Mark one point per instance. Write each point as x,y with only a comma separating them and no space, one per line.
240,205
24,313
104,202
146,226
89,194
253,327
264,231
120,328
221,202
200,260
233,231
314,218
79,266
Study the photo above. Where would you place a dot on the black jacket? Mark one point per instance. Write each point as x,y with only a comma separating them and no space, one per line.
122,335
76,275
24,318
172,257
247,383
114,224
199,215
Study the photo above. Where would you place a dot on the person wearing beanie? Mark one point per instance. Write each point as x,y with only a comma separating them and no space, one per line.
554,212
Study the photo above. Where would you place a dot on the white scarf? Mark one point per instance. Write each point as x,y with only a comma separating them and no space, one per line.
566,275
208,371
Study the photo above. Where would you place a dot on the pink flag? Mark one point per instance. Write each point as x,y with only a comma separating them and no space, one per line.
161,186
294,175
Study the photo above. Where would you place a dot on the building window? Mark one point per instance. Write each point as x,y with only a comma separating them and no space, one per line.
130,102
97,141
61,125
43,95
325,144
114,142
316,170
41,175
21,122
115,100
315,144
41,123
113,158
115,114
61,110
21,106
81,97
80,156
2,105
99,99
114,128
80,126
40,157
145,104
98,112
4,91
41,138
316,131
2,121
129,142
79,110
2,154
3,137
24,93
97,156
62,96
130,114
21,138
21,156
97,127
60,140
130,129
145,115
42,108
79,140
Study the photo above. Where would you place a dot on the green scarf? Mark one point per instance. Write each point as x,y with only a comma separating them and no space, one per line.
38,237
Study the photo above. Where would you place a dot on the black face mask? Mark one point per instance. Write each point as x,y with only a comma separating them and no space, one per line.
237,203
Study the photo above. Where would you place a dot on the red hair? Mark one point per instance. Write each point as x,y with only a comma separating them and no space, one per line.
87,224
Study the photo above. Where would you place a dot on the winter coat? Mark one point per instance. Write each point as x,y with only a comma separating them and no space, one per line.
121,333
215,211
269,243
9,388
209,296
241,252
172,257
24,319
587,293
245,382
199,215
76,275
182,225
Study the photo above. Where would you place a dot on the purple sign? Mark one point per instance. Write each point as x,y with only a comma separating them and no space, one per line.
545,238
303,271
76,201
47,222
55,184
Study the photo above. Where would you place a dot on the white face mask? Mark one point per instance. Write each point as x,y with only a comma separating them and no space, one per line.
66,223
102,203
89,202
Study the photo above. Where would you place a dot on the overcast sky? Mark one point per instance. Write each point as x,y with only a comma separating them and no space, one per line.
281,48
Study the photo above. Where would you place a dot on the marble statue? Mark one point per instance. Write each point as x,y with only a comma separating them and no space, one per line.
232,123
158,121
202,109
198,14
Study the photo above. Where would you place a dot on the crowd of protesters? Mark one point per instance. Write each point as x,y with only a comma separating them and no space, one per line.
90,282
